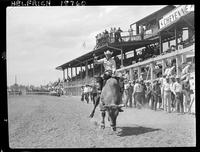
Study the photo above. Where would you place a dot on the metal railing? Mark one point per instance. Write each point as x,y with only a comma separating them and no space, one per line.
125,36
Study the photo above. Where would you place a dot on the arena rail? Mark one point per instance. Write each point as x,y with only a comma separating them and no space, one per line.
37,93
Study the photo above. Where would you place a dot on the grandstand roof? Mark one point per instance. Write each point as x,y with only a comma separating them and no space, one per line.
125,46
156,15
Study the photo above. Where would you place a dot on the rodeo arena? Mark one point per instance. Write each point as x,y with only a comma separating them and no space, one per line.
136,88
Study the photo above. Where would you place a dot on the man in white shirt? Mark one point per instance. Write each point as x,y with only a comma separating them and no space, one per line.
178,91
137,93
167,95
172,92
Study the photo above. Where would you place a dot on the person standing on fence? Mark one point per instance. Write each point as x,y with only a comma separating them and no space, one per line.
178,95
167,96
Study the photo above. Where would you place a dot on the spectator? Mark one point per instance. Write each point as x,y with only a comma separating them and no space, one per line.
172,93
143,90
126,75
167,95
115,34
148,92
142,32
126,93
178,95
130,34
111,35
137,93
106,36
130,93
156,95
119,35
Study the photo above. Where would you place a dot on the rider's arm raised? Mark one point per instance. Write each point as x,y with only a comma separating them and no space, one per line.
101,61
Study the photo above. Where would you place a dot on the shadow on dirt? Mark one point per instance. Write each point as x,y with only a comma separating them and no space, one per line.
129,131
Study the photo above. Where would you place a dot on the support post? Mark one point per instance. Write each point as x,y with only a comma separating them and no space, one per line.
176,38
139,72
101,68
163,67
63,75
67,72
86,69
71,73
76,72
152,75
131,74
178,65
93,70
160,42
169,44
122,58
81,72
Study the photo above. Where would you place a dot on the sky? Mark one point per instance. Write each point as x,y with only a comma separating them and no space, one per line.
41,38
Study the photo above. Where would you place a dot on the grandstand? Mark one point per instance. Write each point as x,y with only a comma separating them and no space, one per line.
140,52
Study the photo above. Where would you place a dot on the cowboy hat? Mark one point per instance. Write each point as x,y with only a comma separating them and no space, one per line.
108,52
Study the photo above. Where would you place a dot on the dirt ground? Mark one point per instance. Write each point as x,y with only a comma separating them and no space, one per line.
63,122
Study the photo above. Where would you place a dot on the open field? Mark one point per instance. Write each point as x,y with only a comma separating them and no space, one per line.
62,122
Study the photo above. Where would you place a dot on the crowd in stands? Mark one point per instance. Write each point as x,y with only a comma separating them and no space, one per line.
167,92
113,36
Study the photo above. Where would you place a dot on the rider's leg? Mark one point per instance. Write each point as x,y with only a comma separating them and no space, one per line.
97,99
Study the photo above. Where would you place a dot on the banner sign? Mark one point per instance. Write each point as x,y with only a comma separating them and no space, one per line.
175,15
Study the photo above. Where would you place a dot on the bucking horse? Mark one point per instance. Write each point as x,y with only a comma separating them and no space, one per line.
109,100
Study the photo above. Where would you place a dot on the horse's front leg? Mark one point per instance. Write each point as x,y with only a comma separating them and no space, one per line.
103,114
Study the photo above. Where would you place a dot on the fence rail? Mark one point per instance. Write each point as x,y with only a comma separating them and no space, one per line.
37,93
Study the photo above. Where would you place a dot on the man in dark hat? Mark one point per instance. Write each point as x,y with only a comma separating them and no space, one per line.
156,94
